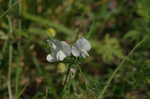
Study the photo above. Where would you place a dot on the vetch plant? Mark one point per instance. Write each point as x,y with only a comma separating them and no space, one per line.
60,50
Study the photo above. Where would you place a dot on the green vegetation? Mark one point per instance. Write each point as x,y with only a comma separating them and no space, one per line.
119,63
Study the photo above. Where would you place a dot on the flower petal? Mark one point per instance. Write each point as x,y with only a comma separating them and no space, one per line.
81,47
84,53
66,48
75,51
60,56
83,43
55,44
50,58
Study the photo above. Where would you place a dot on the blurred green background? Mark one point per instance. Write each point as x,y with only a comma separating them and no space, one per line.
113,27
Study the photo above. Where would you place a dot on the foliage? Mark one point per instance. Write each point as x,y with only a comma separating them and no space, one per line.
114,29
109,48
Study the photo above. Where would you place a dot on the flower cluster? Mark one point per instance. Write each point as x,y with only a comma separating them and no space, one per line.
60,49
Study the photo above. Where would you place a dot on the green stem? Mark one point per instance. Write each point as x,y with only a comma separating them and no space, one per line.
66,82
117,69
43,21
9,73
10,8
10,60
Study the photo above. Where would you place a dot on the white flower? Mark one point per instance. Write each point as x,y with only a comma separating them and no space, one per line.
81,48
60,50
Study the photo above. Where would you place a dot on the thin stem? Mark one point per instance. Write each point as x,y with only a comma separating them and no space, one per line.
118,68
21,92
67,76
10,8
46,96
9,73
18,70
10,59
65,82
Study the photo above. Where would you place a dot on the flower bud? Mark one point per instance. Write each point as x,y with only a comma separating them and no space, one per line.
51,32
61,68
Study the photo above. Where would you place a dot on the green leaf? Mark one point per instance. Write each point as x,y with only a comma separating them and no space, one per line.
133,35
143,9
109,49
